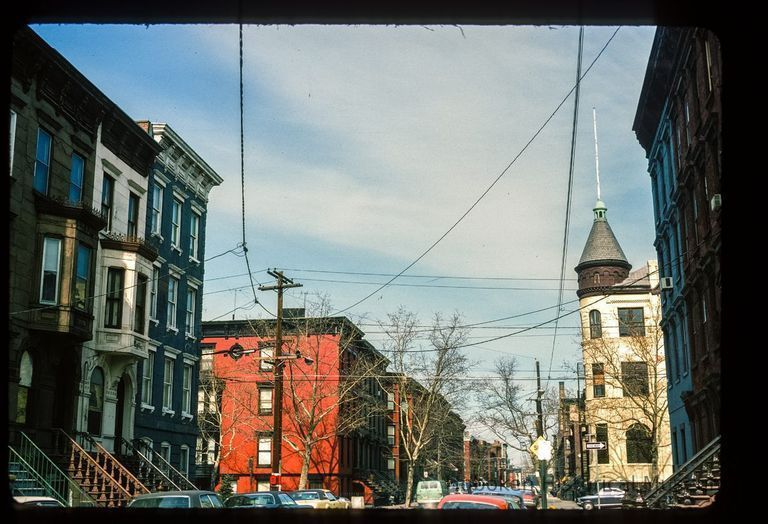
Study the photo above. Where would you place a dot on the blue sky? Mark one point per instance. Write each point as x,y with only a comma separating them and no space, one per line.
364,144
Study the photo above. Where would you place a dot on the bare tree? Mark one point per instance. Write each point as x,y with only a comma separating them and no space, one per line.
633,401
428,383
508,411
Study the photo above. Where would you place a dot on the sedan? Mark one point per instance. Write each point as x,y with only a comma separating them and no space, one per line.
263,499
177,499
318,498
590,502
468,501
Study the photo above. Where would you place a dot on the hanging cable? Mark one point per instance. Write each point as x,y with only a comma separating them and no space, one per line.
574,131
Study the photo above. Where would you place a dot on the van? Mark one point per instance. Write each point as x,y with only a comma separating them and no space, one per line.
429,493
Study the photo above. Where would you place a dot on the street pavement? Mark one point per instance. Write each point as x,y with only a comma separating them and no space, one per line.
556,503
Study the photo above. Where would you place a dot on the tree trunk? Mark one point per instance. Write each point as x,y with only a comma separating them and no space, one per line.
409,485
306,456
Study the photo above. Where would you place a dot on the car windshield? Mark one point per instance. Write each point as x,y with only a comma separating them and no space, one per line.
306,495
286,500
329,495
161,502
261,500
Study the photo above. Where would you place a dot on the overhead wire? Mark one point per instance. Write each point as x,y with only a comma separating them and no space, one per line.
488,189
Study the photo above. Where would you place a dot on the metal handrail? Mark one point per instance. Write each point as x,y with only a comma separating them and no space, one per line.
60,483
118,470
84,464
146,461
700,458
177,475
44,485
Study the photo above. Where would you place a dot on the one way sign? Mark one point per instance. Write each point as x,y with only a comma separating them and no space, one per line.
596,445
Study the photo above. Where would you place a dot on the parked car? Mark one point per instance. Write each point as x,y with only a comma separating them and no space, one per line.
317,498
590,502
607,491
430,492
347,503
472,501
514,497
30,501
264,499
177,499
530,498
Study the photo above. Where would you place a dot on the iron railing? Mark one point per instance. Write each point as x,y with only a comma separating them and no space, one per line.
55,482
149,474
172,473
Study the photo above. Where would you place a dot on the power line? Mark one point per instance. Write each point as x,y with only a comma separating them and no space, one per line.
487,190
443,286
436,277
569,194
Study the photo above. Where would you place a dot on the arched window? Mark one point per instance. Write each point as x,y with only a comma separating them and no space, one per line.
96,402
25,383
639,445
595,324
596,278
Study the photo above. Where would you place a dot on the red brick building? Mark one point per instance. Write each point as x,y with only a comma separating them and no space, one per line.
333,408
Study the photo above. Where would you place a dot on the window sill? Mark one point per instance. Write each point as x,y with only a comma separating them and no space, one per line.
157,235
154,321
168,412
190,336
147,407
173,330
176,248
187,416
194,260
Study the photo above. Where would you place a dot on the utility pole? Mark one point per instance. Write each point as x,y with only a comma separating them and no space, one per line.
540,433
277,403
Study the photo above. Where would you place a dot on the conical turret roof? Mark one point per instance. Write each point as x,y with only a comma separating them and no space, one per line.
602,248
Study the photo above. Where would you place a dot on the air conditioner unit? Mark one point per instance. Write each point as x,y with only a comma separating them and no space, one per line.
716,202
666,283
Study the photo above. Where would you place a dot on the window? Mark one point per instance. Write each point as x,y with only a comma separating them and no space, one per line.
596,278
175,223
634,378
140,309
187,389
265,449
165,454
631,322
601,435
191,301
708,54
133,215
168,384
12,139
390,401
146,379
82,277
42,162
173,289
184,461
26,370
390,463
76,178
49,279
639,445
266,351
391,434
96,402
153,293
107,199
194,232
595,324
598,380
265,400
157,209
113,312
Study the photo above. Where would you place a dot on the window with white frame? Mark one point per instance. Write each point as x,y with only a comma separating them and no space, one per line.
186,389
165,453
146,379
134,204
265,400
107,199
49,278
42,161
194,234
184,461
191,301
153,293
157,209
266,354
168,384
175,223
140,304
113,310
265,449
76,178
82,277
173,291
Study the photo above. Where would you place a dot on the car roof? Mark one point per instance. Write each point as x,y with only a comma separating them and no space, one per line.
23,499
463,497
182,493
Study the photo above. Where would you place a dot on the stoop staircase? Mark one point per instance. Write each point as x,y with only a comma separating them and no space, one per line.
150,468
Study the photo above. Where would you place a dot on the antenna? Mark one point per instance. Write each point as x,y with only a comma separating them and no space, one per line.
597,155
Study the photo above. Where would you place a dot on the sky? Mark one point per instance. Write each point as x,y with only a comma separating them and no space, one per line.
365,144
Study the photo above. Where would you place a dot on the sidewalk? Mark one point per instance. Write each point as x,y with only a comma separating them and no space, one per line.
556,503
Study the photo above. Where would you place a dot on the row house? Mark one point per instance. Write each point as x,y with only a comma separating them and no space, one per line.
78,165
678,124
623,353
180,182
333,408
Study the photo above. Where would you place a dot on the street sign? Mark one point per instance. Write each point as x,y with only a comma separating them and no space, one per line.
596,445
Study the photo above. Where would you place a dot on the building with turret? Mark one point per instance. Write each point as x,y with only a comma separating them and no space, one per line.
623,352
